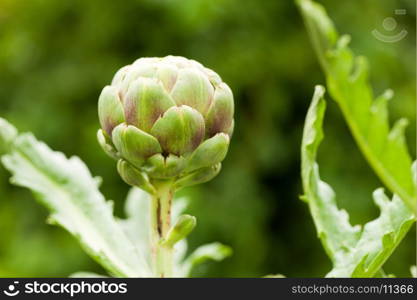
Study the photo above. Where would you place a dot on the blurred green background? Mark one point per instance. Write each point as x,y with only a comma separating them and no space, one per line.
55,57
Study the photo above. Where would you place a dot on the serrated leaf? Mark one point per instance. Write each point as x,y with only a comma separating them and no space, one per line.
180,251
67,189
180,248
348,80
333,227
8,134
379,238
354,251
137,223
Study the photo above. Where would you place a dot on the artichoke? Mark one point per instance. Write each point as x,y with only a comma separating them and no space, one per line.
166,119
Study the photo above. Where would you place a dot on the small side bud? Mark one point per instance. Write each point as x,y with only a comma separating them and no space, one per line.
180,230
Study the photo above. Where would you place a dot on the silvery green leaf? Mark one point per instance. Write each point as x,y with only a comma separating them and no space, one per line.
332,224
136,225
180,249
355,251
67,189
347,75
378,239
8,134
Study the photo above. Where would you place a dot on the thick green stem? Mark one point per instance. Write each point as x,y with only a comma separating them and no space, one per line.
160,225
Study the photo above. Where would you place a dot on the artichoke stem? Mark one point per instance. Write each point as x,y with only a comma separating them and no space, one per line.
160,225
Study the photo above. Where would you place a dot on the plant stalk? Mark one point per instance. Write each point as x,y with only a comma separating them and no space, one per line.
160,225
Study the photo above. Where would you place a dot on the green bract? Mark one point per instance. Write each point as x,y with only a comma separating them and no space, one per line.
166,119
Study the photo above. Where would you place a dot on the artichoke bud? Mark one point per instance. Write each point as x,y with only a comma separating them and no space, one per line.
166,118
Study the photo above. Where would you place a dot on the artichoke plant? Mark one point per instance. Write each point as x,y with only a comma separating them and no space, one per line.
168,122
166,119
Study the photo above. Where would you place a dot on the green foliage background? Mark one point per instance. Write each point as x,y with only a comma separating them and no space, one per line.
55,57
